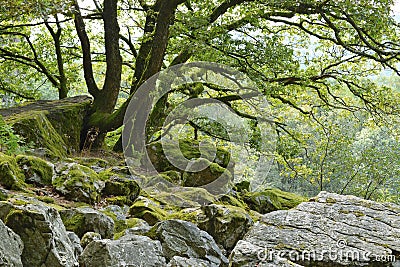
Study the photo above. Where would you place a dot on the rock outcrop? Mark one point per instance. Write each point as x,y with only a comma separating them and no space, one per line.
331,230
11,247
54,126
185,239
129,250
85,219
43,234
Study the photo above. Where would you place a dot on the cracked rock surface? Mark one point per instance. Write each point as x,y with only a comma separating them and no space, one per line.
329,230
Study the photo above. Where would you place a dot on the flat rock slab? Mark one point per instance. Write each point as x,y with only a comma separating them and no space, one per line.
330,230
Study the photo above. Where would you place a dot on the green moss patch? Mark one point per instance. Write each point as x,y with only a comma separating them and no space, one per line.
11,176
36,170
272,199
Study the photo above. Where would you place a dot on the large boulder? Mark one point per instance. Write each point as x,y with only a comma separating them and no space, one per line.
45,238
85,219
220,168
272,199
36,170
11,247
119,189
330,230
185,239
53,125
129,250
77,182
227,224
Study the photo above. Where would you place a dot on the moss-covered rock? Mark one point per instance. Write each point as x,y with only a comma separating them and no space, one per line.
45,239
227,224
119,188
36,170
147,210
53,125
190,150
78,183
83,220
96,164
11,176
206,176
39,132
184,197
272,199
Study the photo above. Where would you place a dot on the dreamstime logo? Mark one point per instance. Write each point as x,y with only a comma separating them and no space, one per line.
341,252
228,113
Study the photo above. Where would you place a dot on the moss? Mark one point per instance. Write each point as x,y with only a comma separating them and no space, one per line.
78,183
243,186
11,176
119,201
46,199
272,199
38,166
119,225
18,202
148,212
36,128
89,162
172,176
128,223
118,188
358,213
206,176
74,223
331,200
190,150
231,200
190,215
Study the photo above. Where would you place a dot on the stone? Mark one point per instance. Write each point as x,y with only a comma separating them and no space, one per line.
247,254
185,239
76,243
53,125
77,182
36,170
119,185
226,224
272,199
45,238
11,176
11,247
89,237
187,262
129,250
147,210
330,230
85,219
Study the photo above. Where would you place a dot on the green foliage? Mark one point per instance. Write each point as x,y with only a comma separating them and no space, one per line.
10,142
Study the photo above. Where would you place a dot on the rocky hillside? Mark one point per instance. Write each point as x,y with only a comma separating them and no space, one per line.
59,210
90,212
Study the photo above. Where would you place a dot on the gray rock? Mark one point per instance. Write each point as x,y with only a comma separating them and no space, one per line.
11,247
82,220
247,254
185,239
76,243
140,228
45,239
89,237
129,250
77,182
331,230
185,262
226,224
